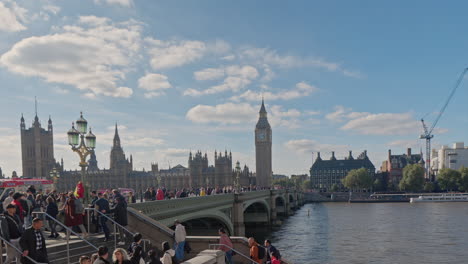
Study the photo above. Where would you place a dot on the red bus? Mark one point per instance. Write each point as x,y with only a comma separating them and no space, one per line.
22,184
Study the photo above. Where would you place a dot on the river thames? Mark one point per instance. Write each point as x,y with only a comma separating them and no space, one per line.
375,233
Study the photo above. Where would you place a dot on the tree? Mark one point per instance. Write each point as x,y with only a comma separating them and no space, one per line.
306,185
413,178
378,185
429,187
334,188
463,183
357,179
449,179
284,182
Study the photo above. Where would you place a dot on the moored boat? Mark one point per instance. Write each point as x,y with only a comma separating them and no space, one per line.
450,197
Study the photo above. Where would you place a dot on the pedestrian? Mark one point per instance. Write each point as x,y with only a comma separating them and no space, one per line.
94,256
120,216
52,211
254,250
33,244
12,229
153,257
226,245
85,260
147,195
153,194
168,253
274,258
120,256
74,215
136,249
20,210
103,254
270,249
28,207
131,197
8,200
180,236
94,217
102,205
160,195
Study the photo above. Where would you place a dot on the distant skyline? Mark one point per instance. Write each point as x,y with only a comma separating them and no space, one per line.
190,75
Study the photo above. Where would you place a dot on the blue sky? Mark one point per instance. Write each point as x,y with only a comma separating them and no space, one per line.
189,75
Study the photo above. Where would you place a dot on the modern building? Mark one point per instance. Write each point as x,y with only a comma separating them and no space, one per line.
37,149
393,167
452,158
324,174
263,142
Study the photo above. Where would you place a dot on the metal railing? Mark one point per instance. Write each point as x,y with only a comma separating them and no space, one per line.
237,252
68,231
17,249
101,214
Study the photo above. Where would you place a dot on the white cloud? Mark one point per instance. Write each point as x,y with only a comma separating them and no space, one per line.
209,74
228,113
302,89
124,3
53,9
154,84
93,56
243,113
366,123
384,124
265,56
307,146
237,78
171,54
12,17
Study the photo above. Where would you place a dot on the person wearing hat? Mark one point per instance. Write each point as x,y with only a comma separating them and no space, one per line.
11,228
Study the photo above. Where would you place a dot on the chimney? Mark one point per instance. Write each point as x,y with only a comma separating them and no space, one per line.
408,152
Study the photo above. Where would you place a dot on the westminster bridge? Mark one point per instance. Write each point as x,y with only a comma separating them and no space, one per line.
231,211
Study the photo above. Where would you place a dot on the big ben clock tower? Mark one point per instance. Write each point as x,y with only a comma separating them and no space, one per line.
263,139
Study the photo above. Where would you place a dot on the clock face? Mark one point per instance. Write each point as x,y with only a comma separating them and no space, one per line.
261,136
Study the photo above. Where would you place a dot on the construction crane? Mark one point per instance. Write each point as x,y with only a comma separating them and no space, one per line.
427,135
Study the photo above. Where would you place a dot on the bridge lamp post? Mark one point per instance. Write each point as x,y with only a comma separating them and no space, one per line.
238,171
83,145
55,175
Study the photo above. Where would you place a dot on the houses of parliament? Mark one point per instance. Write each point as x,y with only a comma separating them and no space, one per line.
37,148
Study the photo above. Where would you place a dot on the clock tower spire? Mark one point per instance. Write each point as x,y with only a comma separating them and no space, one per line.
263,140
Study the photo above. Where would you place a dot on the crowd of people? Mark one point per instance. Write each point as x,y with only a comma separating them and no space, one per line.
25,215
152,193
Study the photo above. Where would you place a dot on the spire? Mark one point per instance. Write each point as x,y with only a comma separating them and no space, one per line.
116,137
22,125
49,124
263,120
262,108
350,157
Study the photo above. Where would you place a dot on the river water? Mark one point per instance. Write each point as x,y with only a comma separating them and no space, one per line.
375,233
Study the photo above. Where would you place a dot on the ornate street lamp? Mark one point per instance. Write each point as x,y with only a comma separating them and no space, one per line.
55,175
83,145
238,171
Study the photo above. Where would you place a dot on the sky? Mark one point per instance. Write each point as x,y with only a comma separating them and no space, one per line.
179,76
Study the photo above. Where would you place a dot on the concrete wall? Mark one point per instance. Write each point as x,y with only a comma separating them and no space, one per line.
207,257
201,243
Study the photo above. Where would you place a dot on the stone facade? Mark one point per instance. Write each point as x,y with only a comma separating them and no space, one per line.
326,173
119,175
393,167
263,142
37,149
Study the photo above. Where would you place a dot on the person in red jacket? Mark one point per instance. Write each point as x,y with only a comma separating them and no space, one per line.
159,194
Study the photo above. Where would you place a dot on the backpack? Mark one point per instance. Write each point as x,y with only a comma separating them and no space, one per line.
79,209
174,260
261,252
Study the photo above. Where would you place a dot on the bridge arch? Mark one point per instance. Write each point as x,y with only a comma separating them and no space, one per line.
212,222
280,205
257,211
